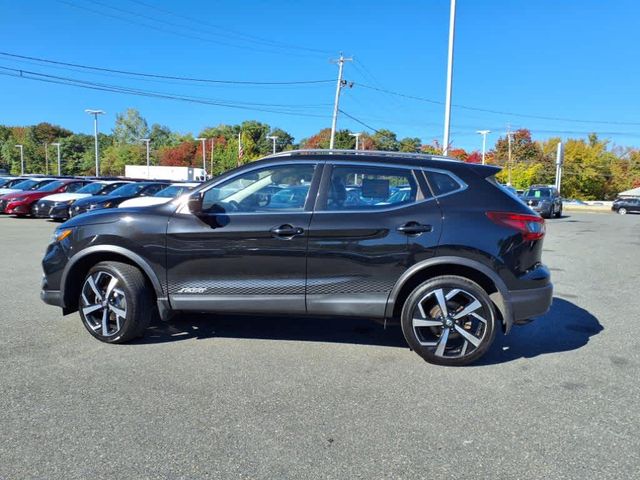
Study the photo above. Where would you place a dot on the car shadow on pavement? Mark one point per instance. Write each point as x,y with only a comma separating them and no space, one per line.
308,329
565,327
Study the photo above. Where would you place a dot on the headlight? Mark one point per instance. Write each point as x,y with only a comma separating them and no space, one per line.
61,234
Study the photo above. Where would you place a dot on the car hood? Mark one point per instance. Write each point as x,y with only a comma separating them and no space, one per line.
65,197
144,201
4,191
19,195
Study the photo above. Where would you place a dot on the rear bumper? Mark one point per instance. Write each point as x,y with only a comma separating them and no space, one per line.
531,302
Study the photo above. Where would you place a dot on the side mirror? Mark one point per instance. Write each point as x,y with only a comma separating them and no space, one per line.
195,203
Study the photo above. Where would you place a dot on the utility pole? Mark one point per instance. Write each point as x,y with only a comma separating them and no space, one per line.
484,134
204,152
21,159
212,144
447,107
341,83
559,162
46,158
147,141
57,145
274,138
357,135
95,114
509,135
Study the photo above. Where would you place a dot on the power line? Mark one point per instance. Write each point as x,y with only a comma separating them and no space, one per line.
230,31
145,93
160,76
358,121
498,112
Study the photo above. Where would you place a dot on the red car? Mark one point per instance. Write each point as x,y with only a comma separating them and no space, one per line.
20,203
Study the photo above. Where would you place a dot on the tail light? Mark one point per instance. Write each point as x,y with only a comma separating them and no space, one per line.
530,226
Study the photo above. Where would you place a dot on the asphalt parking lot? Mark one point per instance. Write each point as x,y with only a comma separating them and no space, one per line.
273,398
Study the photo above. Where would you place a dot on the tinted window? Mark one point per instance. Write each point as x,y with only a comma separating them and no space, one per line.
152,189
92,188
283,187
127,190
74,187
538,192
107,189
441,183
360,187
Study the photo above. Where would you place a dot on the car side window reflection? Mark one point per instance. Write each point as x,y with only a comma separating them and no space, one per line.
275,188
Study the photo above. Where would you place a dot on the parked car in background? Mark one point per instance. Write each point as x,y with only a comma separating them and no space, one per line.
543,199
25,202
454,261
6,182
165,195
25,184
57,206
626,205
117,196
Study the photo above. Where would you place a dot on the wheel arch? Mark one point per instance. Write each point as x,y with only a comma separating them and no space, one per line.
80,264
484,276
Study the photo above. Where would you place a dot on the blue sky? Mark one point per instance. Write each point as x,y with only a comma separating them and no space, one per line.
562,59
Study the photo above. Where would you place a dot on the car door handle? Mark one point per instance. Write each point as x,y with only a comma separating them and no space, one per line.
286,231
414,228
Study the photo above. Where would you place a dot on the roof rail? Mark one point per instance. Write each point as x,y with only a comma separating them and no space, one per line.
376,153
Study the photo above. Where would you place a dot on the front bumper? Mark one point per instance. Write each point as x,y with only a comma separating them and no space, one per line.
531,302
51,297
15,208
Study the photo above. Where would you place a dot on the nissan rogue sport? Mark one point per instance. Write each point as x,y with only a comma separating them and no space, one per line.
454,259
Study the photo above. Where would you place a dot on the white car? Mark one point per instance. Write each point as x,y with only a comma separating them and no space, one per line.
27,184
163,196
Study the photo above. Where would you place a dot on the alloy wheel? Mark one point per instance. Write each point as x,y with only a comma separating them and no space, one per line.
622,211
103,304
450,322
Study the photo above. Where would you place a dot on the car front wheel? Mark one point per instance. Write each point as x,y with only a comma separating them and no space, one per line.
449,320
115,302
622,211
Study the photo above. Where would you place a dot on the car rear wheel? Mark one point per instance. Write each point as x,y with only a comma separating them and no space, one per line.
115,303
449,320
622,211
558,214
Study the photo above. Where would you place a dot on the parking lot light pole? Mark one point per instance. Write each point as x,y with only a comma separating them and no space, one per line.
357,136
21,158
447,107
95,114
274,138
147,141
484,134
57,145
204,152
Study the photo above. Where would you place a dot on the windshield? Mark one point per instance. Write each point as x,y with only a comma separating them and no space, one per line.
50,187
172,191
25,184
127,190
538,193
4,181
91,188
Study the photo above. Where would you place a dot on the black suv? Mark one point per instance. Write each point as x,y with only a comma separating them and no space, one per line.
543,199
453,258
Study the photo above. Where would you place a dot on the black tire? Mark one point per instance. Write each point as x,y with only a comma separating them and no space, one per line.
622,211
559,213
130,294
454,352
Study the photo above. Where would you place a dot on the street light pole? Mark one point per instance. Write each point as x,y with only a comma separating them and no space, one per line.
336,102
21,159
46,158
447,108
57,145
204,152
357,135
274,138
95,114
484,134
147,141
509,135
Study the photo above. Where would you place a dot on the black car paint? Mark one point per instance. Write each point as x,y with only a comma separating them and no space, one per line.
631,205
341,263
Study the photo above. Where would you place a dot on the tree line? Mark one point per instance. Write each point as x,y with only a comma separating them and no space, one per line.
592,169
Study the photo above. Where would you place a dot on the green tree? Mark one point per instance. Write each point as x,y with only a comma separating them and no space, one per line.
130,127
385,140
409,144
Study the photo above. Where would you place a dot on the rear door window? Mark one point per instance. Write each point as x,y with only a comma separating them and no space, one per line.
442,183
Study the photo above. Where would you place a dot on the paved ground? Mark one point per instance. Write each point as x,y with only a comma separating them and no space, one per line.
275,399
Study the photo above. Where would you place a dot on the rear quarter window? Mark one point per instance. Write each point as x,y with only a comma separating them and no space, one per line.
442,183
